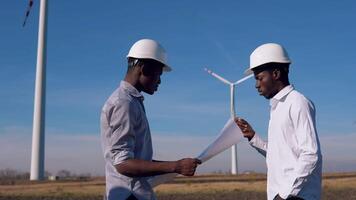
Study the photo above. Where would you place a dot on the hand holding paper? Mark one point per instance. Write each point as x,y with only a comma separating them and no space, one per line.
231,134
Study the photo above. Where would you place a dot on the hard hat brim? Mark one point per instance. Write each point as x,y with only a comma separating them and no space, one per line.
167,68
248,71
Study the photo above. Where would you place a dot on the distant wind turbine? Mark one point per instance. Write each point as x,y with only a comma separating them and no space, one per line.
234,168
38,132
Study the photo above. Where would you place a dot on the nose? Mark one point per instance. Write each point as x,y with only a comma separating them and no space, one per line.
257,85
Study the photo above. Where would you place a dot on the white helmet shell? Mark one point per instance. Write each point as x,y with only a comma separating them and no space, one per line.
267,53
149,49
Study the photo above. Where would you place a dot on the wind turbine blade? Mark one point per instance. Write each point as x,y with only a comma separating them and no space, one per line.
243,79
30,3
217,76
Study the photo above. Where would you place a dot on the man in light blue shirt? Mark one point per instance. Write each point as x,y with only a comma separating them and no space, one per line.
125,133
293,155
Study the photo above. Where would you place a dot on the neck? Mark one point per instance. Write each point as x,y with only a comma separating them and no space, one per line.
133,80
281,86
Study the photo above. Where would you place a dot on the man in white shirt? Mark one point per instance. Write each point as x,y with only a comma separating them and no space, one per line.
293,156
125,133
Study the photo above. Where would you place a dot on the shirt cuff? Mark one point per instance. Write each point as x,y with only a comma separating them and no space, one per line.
253,141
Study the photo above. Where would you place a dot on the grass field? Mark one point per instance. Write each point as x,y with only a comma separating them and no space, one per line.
253,186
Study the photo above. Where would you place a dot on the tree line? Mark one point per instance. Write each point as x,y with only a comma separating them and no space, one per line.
12,174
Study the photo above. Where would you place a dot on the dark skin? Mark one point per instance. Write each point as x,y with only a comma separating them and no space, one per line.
268,84
147,79
278,197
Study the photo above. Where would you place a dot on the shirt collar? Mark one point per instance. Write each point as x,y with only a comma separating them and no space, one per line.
281,95
131,90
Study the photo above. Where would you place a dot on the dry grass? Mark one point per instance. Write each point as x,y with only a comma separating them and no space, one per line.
335,186
54,190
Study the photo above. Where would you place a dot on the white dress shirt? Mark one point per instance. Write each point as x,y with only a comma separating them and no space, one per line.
125,134
293,156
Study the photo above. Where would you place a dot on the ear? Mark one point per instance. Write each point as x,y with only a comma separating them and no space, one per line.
139,67
276,74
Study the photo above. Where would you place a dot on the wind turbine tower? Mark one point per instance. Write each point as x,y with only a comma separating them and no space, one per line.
234,166
38,132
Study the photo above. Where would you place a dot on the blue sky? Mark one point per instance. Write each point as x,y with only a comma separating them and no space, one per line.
87,45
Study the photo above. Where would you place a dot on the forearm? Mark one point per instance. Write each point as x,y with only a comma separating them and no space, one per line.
143,168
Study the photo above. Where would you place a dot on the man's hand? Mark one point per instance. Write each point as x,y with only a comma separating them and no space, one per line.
186,166
277,197
245,127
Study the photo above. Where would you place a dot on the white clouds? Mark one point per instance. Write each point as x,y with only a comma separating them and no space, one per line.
176,147
339,152
80,152
15,145
73,151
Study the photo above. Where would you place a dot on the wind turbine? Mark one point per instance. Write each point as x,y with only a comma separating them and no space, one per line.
234,169
38,132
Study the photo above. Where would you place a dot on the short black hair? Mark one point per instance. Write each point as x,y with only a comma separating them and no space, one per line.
282,67
132,62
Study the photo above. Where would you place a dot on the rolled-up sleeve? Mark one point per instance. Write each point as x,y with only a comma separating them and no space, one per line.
303,118
122,135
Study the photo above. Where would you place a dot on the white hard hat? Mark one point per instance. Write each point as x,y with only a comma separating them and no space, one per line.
149,49
267,53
